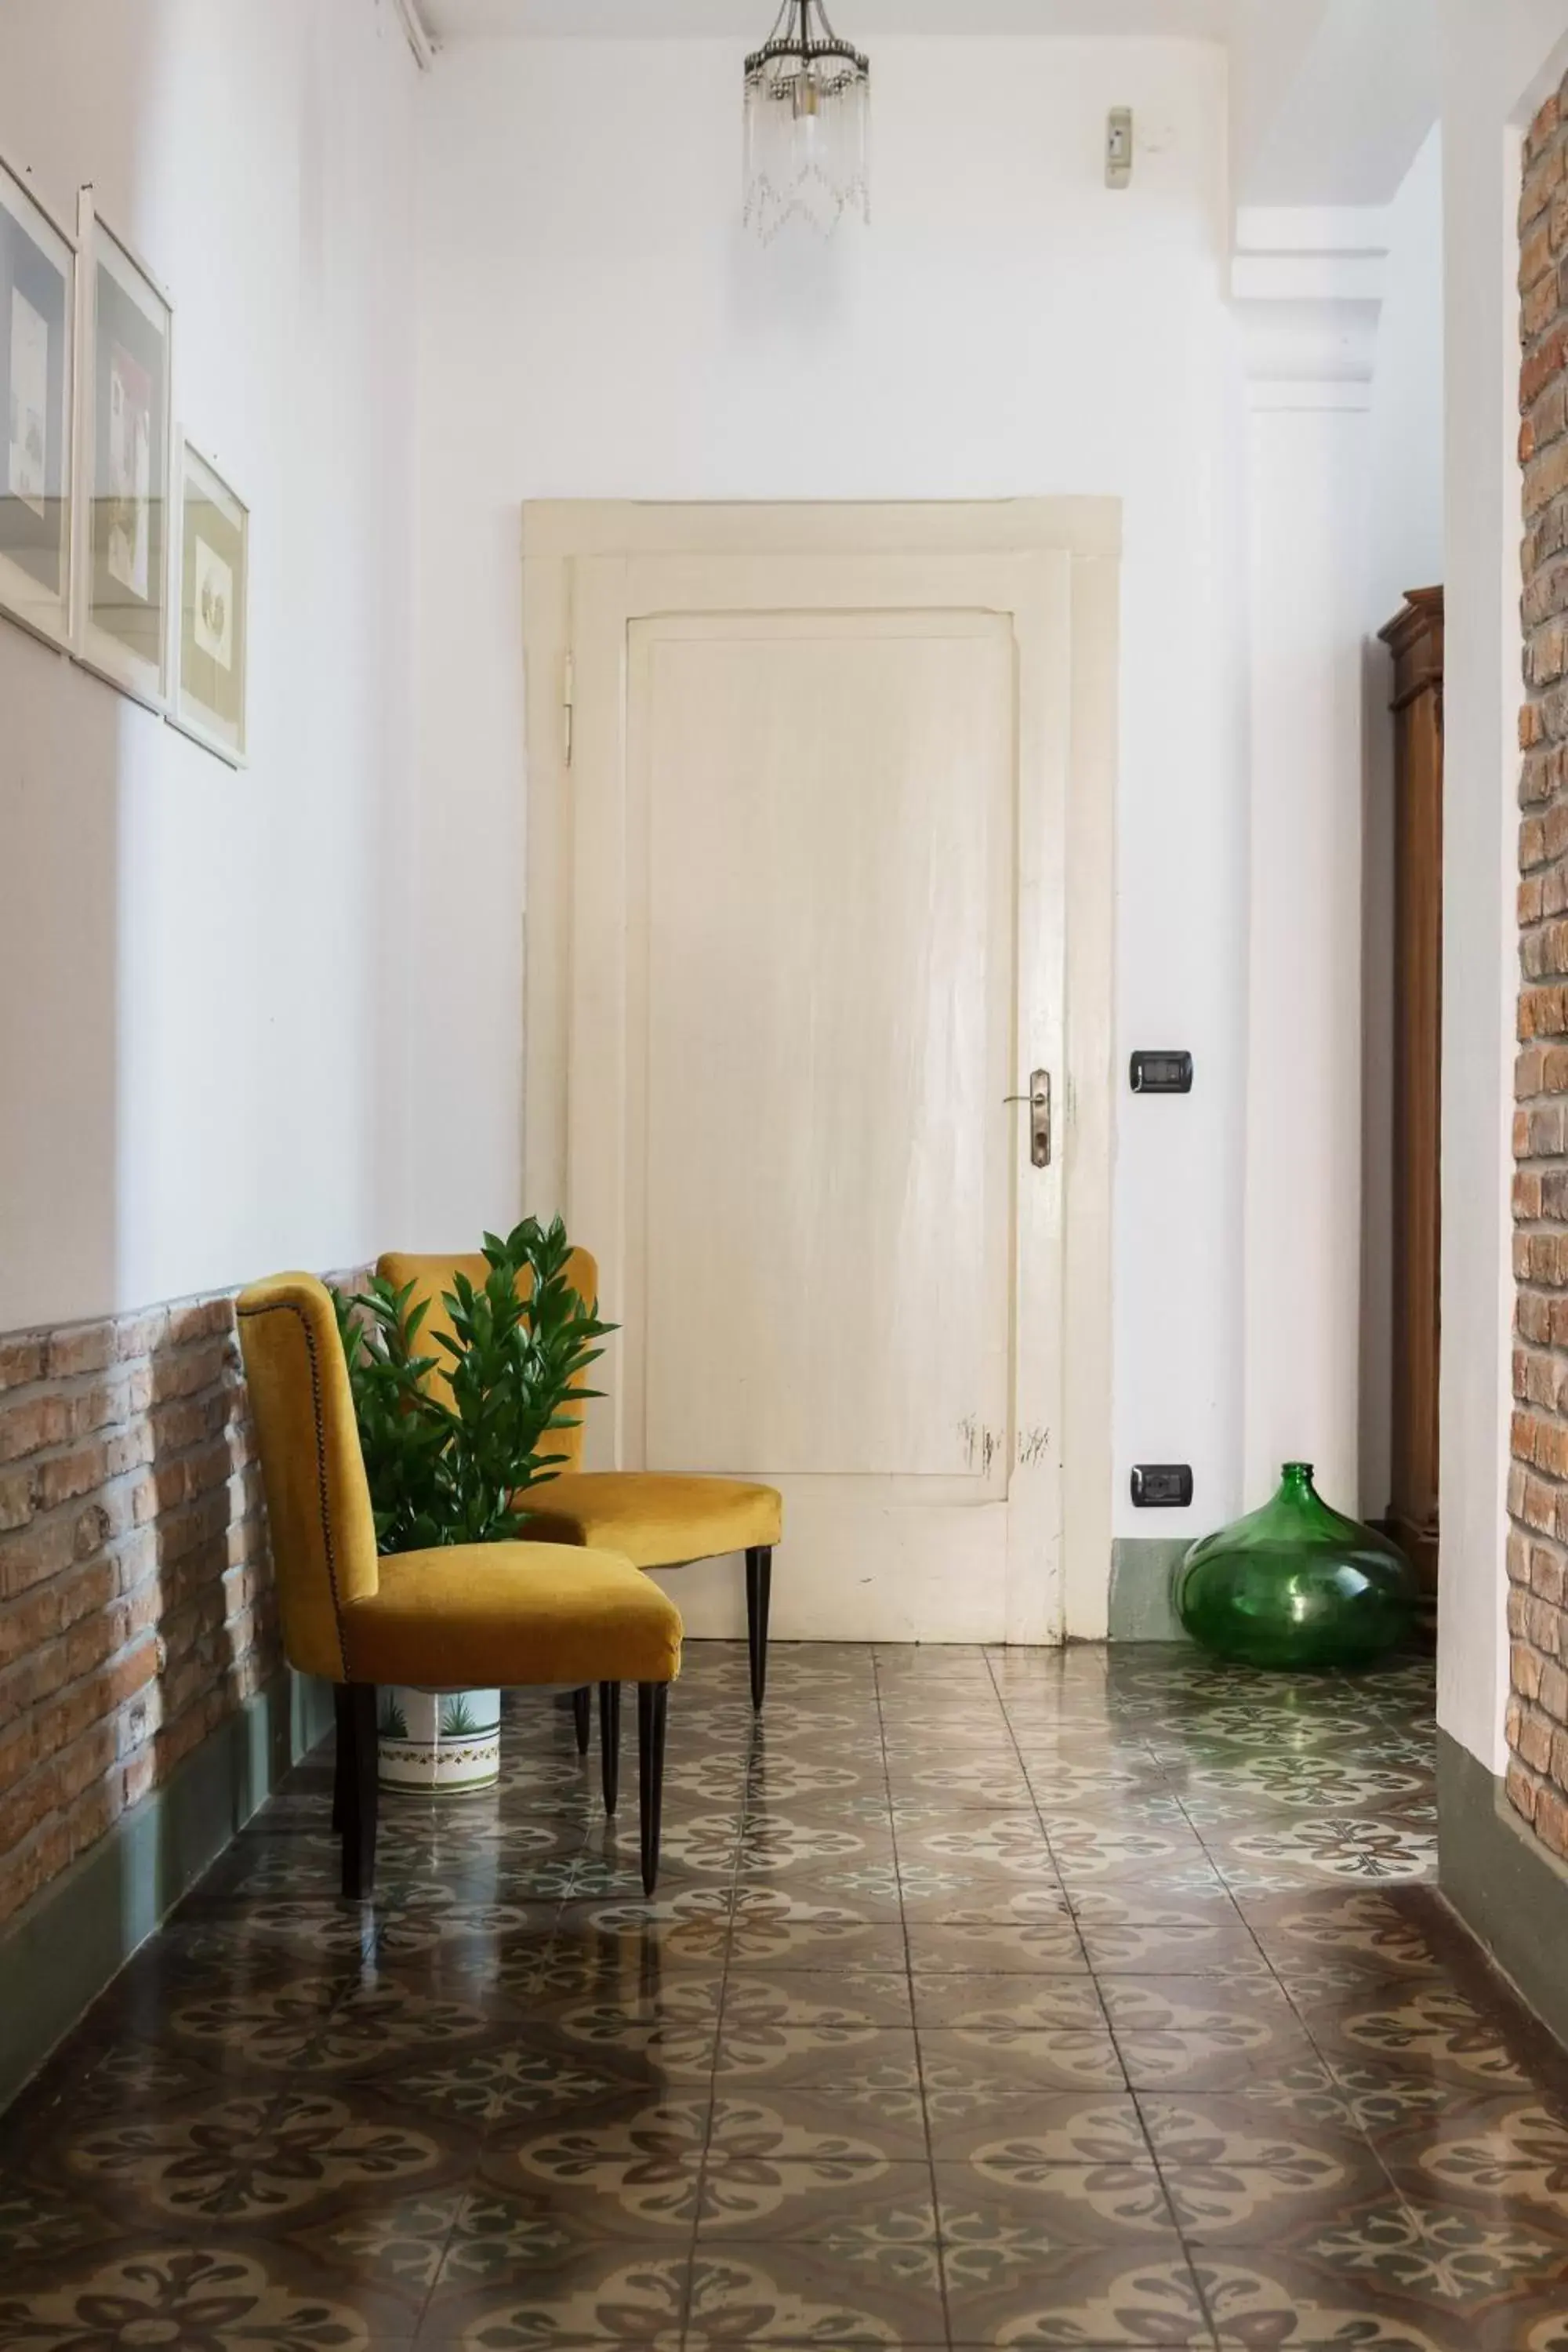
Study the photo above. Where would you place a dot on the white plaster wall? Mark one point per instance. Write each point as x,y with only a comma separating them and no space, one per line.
595,323
1407,493
201,977
1405,551
1330,98
1309,487
1500,57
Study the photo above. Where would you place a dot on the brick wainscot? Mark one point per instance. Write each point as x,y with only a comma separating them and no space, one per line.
136,1607
1537,1778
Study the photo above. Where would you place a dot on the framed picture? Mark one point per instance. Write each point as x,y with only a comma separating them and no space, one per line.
126,333
37,352
212,608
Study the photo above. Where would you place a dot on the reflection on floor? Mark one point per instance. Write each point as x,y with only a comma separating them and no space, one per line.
1089,1999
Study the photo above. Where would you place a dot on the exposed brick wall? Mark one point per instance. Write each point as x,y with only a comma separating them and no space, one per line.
1538,1480
136,1602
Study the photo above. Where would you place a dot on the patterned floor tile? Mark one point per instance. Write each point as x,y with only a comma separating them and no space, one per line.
758,2001
801,2055
1029,2128
983,2063
1427,2026
930,1893
859,2203
1499,2156
1097,1999
997,2201
1049,1947
1300,2118
492,2293
1214,1942
225,2290
862,2110
1057,2004
831,2297
1201,2032
1020,2289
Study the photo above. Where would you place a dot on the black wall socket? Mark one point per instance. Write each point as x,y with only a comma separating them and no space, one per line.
1161,1486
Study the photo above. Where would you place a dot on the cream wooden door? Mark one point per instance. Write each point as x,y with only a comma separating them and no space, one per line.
817,858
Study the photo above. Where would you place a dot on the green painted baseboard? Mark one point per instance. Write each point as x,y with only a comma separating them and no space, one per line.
1509,1891
1142,1572
77,1933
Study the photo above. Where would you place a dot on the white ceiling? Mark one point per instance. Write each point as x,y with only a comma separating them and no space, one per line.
749,21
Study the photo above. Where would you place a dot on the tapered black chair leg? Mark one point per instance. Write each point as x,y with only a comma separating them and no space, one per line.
360,1794
610,1742
342,1745
583,1715
759,1589
653,1703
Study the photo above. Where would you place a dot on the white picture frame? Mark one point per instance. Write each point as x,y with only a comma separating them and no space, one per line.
39,349
125,464
210,607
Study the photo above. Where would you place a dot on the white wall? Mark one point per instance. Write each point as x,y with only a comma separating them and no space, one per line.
1500,58
1405,550
1405,525
595,323
202,989
1330,98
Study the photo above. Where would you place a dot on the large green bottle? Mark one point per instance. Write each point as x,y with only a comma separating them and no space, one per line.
1294,1585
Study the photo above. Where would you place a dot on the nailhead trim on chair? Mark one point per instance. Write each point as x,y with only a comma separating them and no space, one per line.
289,1306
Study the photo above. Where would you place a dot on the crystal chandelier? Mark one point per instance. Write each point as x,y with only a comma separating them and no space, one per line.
808,120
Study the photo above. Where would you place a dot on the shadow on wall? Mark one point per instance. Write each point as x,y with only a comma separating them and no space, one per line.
69,748
183,949
62,743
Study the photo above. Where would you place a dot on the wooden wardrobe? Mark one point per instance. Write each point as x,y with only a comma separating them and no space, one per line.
1414,637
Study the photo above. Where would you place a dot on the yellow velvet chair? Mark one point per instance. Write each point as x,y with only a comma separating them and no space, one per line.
657,1522
465,1618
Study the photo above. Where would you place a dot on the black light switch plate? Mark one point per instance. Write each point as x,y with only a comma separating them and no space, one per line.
1161,1486
1166,1073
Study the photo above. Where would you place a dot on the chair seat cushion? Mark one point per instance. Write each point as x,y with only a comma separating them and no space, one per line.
657,1522
477,1616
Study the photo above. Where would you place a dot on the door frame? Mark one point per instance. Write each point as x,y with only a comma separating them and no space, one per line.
560,534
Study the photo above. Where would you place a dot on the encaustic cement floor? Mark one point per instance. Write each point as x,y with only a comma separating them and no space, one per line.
1084,1999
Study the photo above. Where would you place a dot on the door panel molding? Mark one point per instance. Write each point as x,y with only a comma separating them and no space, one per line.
592,569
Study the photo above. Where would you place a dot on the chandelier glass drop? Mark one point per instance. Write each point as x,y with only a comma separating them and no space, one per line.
808,123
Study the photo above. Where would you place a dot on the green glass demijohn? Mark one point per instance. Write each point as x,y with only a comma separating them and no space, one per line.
1296,1586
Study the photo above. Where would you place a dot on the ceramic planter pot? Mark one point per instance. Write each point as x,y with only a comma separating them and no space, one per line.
439,1741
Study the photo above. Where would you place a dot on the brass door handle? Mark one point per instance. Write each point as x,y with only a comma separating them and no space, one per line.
1039,1101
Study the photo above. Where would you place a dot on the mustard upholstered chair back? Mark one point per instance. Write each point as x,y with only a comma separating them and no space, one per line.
432,1276
318,1498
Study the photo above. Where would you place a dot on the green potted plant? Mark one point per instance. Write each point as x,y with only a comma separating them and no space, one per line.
453,1440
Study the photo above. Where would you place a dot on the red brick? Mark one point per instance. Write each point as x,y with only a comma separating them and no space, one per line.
16,1499
21,1359
1535,254
139,1335
1551,1821
32,1553
200,1318
1541,183
1534,1744
80,1348
30,1423
1542,129
1542,364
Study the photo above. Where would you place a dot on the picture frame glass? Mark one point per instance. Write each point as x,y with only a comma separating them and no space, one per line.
214,607
126,626
38,334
